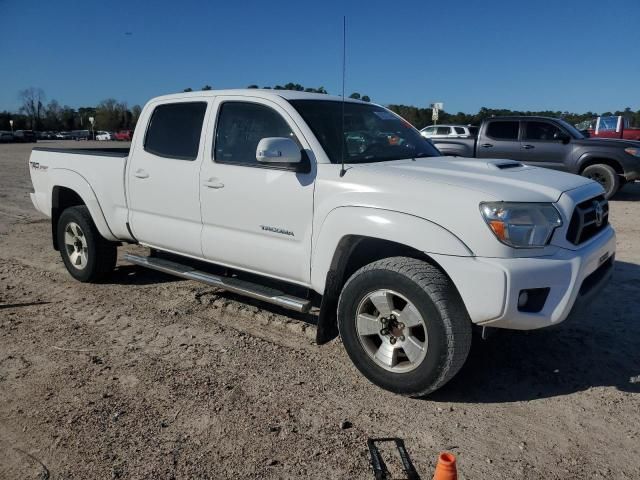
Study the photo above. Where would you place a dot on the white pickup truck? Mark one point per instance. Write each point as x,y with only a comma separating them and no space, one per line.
401,252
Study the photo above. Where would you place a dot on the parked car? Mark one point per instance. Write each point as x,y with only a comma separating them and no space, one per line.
123,135
449,131
609,127
6,137
551,143
25,136
63,136
102,135
80,135
402,250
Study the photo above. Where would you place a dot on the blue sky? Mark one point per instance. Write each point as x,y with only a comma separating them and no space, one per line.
548,54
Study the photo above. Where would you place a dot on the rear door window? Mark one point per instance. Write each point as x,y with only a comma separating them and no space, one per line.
460,131
443,131
174,130
507,130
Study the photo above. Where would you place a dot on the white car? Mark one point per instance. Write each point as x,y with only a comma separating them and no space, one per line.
402,251
102,135
449,131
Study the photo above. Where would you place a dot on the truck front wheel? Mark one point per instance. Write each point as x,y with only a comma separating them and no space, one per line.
606,176
404,325
85,253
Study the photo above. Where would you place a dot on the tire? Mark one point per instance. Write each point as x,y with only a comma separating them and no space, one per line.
417,290
86,254
605,176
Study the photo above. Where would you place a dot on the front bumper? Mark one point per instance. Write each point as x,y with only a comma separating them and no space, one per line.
490,287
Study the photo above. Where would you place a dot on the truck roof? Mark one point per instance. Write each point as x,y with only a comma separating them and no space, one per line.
259,92
523,117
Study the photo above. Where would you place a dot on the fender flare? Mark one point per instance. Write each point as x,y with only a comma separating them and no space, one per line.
588,156
410,230
61,177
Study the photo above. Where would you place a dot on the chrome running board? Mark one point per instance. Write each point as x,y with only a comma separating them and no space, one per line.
235,285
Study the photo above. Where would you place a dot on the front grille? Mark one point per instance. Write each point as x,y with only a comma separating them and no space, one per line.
584,221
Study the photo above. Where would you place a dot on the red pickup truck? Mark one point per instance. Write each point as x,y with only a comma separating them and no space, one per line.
610,127
123,135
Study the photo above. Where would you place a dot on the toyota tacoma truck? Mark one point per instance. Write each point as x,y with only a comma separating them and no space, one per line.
339,208
552,143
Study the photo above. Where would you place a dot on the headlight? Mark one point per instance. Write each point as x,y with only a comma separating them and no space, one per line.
635,151
521,225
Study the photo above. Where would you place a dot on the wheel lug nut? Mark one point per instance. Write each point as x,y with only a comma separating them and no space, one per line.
392,340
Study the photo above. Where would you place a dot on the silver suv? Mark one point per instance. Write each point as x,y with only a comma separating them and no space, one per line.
449,131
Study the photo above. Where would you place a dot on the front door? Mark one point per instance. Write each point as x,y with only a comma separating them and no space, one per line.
256,217
163,178
542,144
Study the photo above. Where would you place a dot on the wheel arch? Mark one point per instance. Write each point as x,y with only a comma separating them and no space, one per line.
588,160
354,250
71,189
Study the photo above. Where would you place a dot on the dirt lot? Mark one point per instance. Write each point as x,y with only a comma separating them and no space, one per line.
145,376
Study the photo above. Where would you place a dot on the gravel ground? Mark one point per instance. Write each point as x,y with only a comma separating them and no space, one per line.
147,376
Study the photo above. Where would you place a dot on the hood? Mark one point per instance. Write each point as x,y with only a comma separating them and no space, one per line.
605,142
496,179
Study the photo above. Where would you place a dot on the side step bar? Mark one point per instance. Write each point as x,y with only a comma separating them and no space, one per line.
235,285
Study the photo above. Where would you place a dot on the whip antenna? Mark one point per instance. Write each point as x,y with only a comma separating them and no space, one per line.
344,68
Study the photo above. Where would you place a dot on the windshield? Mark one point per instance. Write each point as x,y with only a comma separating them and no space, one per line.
371,133
573,131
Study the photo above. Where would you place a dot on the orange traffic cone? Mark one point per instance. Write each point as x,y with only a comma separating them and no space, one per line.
446,467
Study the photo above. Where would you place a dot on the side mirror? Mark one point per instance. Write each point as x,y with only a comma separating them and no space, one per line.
563,137
278,150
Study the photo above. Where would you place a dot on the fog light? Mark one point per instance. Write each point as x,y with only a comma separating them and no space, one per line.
532,300
523,298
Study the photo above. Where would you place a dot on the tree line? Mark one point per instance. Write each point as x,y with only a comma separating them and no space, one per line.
38,114
293,86
421,117
112,115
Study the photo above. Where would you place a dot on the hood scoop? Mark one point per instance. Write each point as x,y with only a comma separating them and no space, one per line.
506,165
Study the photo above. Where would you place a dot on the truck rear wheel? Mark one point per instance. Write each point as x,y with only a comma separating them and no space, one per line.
605,176
404,325
85,253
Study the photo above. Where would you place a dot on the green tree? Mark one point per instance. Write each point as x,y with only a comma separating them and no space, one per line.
207,87
365,98
108,115
188,89
355,95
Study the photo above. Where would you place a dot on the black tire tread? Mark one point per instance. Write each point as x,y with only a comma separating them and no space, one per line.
106,252
616,183
455,317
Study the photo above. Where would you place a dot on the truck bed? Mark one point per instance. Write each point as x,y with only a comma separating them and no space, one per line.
103,152
97,175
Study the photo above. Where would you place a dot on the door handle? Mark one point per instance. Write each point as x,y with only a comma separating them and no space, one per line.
141,174
486,145
528,147
213,183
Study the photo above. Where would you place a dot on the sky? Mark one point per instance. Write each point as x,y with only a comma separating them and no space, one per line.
569,55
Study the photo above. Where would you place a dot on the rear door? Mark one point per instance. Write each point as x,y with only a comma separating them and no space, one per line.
163,177
541,145
499,139
256,217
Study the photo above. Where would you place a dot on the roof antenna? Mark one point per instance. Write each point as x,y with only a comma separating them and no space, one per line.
344,67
